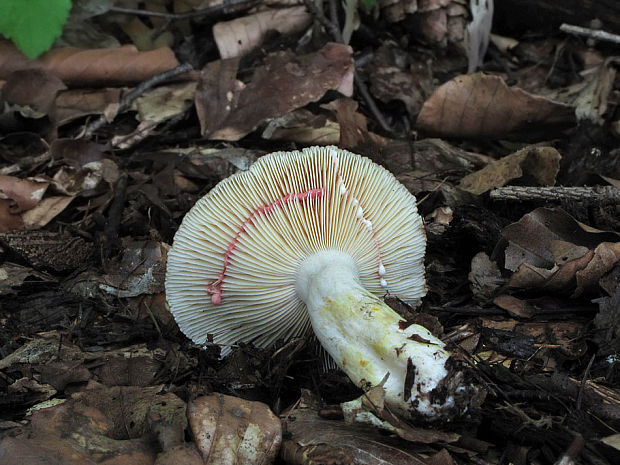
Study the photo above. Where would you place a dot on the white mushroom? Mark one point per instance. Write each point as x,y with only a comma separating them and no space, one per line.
313,238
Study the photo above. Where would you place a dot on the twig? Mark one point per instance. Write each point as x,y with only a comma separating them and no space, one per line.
110,231
334,31
582,387
136,92
606,194
228,7
596,34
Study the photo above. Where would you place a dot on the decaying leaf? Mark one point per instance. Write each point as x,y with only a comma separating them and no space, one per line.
140,271
485,276
515,307
230,430
534,165
33,91
313,439
116,66
478,105
229,110
238,36
548,249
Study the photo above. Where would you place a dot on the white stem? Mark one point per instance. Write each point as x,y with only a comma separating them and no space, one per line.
365,338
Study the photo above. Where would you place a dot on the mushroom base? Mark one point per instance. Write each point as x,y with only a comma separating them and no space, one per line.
368,340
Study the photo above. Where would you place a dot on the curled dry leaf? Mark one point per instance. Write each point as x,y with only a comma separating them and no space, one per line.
550,250
229,110
238,36
538,165
477,105
21,193
96,67
229,430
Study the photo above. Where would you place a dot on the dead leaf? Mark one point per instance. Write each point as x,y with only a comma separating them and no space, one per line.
46,211
304,127
239,36
74,104
484,276
531,237
226,427
13,276
536,165
9,221
33,90
94,67
478,105
312,439
515,307
229,110
606,256
22,193
140,271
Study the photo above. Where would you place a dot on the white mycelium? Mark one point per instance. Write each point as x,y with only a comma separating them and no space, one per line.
311,238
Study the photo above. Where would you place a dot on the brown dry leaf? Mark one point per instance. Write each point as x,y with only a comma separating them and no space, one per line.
442,457
393,78
606,256
33,91
12,276
73,104
312,439
238,36
129,366
477,105
140,271
22,194
515,307
229,110
304,127
531,237
484,276
227,429
46,211
154,107
96,67
8,220
74,433
129,407
535,165
352,124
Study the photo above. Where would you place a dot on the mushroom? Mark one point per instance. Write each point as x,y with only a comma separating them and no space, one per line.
314,239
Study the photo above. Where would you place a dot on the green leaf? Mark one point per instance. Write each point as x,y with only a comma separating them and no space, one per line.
369,4
33,24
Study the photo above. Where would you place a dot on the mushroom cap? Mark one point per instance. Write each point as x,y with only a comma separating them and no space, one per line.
231,272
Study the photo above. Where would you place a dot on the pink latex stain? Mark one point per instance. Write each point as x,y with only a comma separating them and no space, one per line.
214,288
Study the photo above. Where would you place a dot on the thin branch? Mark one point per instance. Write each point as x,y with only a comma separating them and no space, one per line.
136,92
334,31
596,34
226,8
598,194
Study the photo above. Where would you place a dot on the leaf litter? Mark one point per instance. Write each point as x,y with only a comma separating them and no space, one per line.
105,144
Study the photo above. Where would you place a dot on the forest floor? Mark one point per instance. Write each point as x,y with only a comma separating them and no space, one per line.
509,140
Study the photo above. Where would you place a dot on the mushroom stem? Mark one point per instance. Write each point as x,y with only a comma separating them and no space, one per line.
367,339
